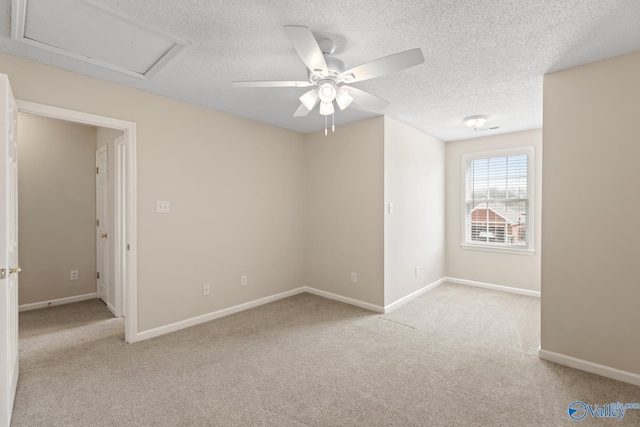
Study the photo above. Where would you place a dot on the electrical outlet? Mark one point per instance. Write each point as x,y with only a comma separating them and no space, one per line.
73,275
354,278
206,289
163,206
243,280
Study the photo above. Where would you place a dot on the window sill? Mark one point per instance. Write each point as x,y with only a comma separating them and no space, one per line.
498,249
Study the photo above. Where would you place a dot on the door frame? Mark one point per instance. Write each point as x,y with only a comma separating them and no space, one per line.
119,226
126,239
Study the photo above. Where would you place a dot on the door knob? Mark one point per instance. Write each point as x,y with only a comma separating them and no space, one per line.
103,235
15,270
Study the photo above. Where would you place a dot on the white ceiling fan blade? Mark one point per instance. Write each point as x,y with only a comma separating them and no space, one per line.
366,100
307,47
271,83
301,111
383,66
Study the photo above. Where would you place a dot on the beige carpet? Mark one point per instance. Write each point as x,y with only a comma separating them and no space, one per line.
455,356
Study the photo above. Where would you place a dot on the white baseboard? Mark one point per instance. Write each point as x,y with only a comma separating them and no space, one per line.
413,295
161,330
346,300
493,287
59,301
594,368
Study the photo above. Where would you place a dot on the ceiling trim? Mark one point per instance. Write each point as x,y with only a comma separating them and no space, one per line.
18,24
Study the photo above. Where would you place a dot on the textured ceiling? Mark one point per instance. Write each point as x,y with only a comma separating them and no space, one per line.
482,56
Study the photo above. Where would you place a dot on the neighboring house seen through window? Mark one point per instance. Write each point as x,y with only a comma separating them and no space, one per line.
497,203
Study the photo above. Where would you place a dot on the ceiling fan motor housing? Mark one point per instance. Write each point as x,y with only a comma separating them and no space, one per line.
334,65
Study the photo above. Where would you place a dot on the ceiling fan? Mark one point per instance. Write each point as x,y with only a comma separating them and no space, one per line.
328,78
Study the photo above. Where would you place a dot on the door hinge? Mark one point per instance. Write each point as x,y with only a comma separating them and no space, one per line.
128,247
97,171
98,275
3,273
97,223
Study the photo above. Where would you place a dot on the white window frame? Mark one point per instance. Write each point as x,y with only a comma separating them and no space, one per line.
497,247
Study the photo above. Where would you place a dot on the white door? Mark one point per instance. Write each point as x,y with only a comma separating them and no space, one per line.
8,251
102,226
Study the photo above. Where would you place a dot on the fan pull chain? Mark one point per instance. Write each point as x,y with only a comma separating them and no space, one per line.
325,125
333,122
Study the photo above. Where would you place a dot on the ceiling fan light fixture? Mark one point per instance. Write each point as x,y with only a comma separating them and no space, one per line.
475,122
326,74
326,108
343,98
327,90
309,99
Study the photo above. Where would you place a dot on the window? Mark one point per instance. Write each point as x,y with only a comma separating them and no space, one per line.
498,211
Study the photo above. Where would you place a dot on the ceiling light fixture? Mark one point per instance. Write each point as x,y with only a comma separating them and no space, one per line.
327,90
310,99
475,122
343,98
326,108
327,75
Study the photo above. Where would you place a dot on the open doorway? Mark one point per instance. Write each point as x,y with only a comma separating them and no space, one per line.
119,215
66,213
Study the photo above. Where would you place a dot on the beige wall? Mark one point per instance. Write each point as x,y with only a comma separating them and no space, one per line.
414,234
590,257
345,205
283,208
57,208
512,270
236,189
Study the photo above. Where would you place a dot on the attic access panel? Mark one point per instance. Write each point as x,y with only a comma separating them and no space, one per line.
84,31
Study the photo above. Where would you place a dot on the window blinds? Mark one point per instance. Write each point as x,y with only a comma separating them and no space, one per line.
497,201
